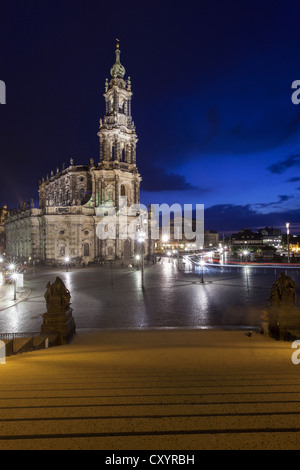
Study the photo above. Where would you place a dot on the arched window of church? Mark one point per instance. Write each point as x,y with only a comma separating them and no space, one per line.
86,249
123,155
112,153
123,190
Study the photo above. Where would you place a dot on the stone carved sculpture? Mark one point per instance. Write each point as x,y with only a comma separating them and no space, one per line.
57,295
283,291
58,319
283,314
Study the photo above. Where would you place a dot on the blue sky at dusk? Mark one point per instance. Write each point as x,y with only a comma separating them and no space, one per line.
211,102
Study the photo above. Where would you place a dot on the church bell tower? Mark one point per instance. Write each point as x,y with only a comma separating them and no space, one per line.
117,173
118,137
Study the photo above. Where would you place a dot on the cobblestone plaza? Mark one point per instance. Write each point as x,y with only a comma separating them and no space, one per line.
104,297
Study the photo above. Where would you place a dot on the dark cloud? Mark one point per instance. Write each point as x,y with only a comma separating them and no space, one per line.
284,198
275,204
282,166
293,180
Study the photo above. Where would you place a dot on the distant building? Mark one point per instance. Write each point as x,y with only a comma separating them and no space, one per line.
179,242
211,239
246,238
271,236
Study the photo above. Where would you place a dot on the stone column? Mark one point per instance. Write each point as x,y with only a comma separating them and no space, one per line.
133,157
116,102
117,150
101,149
117,193
102,194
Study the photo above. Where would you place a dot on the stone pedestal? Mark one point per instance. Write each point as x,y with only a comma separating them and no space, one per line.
283,319
61,322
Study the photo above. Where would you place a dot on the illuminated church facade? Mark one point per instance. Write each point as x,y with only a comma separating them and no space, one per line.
71,199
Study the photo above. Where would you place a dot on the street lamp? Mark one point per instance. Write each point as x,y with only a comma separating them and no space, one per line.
14,277
288,239
245,253
164,240
67,261
141,240
202,264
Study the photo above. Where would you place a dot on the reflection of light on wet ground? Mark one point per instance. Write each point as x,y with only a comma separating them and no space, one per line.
172,298
15,322
67,279
203,300
137,275
246,274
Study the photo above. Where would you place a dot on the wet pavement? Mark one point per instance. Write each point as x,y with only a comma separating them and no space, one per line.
229,298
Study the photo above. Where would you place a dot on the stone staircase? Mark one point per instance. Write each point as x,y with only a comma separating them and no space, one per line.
18,343
153,390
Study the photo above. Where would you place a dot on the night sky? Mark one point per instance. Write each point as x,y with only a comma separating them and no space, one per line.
212,106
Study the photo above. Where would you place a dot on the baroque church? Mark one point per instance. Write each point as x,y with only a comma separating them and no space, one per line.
65,224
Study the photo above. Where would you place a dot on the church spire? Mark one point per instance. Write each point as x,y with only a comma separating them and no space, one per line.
117,133
117,70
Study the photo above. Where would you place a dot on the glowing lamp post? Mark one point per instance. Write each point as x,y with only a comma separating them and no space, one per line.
140,257
202,264
67,261
141,240
288,239
164,240
245,253
14,276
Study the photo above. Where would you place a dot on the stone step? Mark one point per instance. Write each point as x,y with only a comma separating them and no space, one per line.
147,391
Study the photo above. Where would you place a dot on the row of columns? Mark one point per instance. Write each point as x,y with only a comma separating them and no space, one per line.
114,105
111,150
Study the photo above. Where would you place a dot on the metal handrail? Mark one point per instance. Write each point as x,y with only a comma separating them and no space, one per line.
19,335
